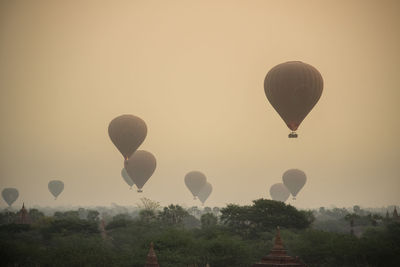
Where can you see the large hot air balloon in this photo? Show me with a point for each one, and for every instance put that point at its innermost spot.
(127, 132)
(294, 180)
(127, 178)
(56, 187)
(195, 181)
(293, 88)
(205, 192)
(140, 167)
(279, 192)
(9, 195)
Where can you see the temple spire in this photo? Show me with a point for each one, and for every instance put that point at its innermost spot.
(278, 240)
(278, 256)
(395, 215)
(151, 257)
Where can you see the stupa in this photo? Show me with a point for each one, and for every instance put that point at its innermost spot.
(23, 216)
(151, 258)
(278, 257)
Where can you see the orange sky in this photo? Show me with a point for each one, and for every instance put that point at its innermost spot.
(194, 71)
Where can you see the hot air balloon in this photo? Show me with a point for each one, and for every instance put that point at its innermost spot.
(127, 132)
(293, 88)
(279, 192)
(10, 195)
(205, 192)
(294, 180)
(127, 178)
(140, 167)
(195, 181)
(56, 187)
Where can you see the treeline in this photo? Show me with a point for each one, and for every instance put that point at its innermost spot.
(231, 236)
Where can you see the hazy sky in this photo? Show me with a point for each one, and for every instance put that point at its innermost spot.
(194, 71)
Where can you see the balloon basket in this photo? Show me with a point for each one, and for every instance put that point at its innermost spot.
(140, 190)
(292, 135)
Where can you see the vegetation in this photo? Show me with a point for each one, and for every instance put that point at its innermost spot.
(231, 236)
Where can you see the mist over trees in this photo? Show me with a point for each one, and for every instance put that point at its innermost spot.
(233, 235)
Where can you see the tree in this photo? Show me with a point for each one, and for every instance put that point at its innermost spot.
(35, 215)
(92, 216)
(148, 204)
(264, 215)
(208, 220)
(173, 214)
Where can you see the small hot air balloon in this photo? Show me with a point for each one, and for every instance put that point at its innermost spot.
(10, 195)
(127, 178)
(127, 132)
(205, 192)
(140, 167)
(279, 192)
(56, 187)
(294, 180)
(195, 181)
(293, 88)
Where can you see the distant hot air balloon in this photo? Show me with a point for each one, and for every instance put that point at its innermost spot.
(56, 187)
(294, 180)
(127, 178)
(205, 192)
(195, 181)
(293, 88)
(127, 132)
(10, 195)
(140, 167)
(279, 192)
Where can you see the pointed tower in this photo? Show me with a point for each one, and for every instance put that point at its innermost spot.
(278, 257)
(23, 216)
(102, 228)
(151, 257)
(395, 215)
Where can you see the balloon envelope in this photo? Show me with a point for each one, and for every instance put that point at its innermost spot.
(294, 180)
(293, 88)
(195, 181)
(127, 178)
(279, 192)
(140, 167)
(127, 132)
(205, 192)
(56, 187)
(10, 195)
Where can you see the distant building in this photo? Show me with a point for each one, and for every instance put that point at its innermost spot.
(278, 257)
(396, 217)
(102, 228)
(23, 216)
(151, 258)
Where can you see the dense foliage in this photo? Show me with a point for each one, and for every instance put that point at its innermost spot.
(231, 236)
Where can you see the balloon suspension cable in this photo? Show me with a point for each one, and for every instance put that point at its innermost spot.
(292, 135)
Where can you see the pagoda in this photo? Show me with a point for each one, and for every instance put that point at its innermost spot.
(278, 257)
(151, 258)
(23, 216)
(396, 217)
